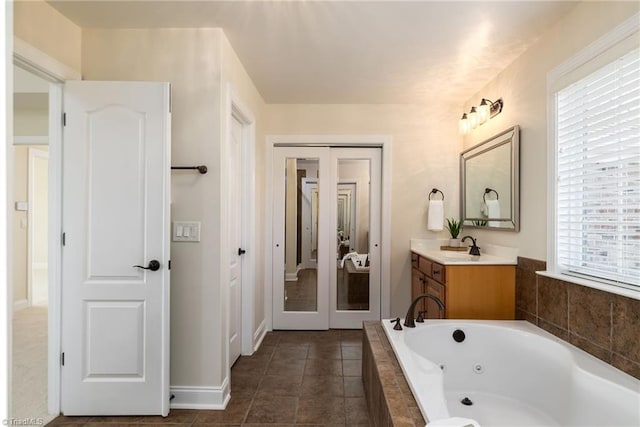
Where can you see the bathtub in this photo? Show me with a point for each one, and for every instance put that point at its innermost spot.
(513, 374)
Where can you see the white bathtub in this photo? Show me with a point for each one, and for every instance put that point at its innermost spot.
(514, 373)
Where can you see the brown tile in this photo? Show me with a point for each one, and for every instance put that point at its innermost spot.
(591, 348)
(590, 314)
(116, 419)
(352, 352)
(417, 417)
(244, 385)
(353, 387)
(626, 365)
(325, 350)
(351, 336)
(356, 410)
(271, 338)
(530, 264)
(265, 350)
(62, 419)
(235, 413)
(286, 367)
(251, 365)
(321, 411)
(280, 385)
(551, 328)
(273, 409)
(552, 301)
(626, 328)
(323, 367)
(291, 351)
(352, 368)
(526, 285)
(322, 386)
(110, 424)
(523, 315)
(176, 416)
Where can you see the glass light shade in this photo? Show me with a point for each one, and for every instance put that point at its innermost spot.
(483, 111)
(463, 124)
(473, 118)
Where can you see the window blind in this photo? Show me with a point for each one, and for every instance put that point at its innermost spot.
(598, 166)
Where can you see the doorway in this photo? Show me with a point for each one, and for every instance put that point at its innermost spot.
(30, 246)
(331, 275)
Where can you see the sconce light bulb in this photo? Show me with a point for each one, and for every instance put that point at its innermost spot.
(484, 110)
(463, 124)
(473, 118)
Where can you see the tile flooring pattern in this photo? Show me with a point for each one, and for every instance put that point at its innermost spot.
(295, 378)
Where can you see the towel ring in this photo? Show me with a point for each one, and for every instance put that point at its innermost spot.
(436, 191)
(487, 191)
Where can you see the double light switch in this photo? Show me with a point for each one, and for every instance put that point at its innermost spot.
(186, 231)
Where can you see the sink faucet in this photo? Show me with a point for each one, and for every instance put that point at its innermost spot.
(475, 250)
(408, 320)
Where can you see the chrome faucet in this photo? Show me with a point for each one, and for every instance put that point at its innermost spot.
(408, 320)
(475, 250)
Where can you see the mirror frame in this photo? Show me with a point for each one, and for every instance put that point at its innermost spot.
(494, 142)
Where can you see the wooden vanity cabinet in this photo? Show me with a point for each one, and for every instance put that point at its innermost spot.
(468, 291)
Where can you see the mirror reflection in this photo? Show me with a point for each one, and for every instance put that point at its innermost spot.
(301, 235)
(489, 177)
(352, 234)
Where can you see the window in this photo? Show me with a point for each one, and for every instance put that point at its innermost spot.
(597, 165)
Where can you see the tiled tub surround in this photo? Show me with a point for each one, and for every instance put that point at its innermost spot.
(389, 398)
(602, 324)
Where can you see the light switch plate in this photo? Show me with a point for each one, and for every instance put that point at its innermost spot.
(22, 206)
(186, 231)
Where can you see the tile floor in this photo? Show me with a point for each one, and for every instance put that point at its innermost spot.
(295, 378)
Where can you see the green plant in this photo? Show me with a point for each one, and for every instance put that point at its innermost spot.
(480, 222)
(454, 226)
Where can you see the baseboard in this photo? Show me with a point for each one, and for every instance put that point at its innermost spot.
(259, 335)
(195, 397)
(21, 304)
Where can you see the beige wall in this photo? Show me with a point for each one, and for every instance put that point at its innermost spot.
(233, 73)
(522, 85)
(199, 63)
(190, 60)
(31, 122)
(424, 155)
(44, 28)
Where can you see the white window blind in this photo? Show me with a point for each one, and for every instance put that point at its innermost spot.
(598, 182)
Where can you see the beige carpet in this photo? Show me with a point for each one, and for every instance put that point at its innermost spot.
(29, 385)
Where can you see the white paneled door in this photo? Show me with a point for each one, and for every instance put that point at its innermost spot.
(115, 288)
(235, 215)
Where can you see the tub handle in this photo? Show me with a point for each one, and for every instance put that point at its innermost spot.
(397, 326)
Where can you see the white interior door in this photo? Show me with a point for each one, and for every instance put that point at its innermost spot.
(116, 195)
(235, 215)
(355, 283)
(300, 295)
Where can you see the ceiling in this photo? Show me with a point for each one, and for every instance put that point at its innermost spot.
(384, 52)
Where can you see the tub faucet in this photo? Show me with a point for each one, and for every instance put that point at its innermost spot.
(475, 250)
(408, 320)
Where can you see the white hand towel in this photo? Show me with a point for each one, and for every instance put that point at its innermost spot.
(493, 211)
(435, 219)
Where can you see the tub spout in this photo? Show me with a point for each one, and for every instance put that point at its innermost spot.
(408, 320)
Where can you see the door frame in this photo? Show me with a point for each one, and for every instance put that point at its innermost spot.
(50, 69)
(355, 141)
(238, 109)
(33, 154)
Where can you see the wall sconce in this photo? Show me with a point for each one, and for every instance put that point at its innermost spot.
(480, 114)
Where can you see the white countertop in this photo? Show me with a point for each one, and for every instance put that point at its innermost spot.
(489, 254)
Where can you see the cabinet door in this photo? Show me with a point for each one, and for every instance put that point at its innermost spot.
(437, 290)
(417, 288)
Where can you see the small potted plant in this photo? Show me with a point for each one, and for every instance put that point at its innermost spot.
(454, 226)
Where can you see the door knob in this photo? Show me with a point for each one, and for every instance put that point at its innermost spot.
(241, 251)
(154, 265)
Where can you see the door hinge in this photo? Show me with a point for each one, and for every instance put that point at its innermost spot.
(169, 263)
(64, 239)
(64, 119)
(62, 359)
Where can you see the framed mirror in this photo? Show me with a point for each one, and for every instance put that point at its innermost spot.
(490, 183)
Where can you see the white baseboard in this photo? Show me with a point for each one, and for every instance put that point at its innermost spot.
(195, 397)
(291, 277)
(259, 335)
(21, 304)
